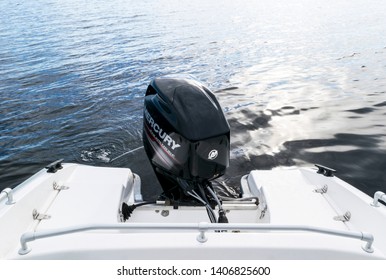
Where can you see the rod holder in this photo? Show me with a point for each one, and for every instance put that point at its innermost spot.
(9, 194)
(377, 197)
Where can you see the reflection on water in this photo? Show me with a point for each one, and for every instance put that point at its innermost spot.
(301, 82)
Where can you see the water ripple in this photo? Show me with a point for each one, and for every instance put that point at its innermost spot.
(295, 89)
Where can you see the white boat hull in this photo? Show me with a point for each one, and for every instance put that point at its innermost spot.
(75, 213)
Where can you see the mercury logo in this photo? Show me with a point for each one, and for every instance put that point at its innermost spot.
(160, 133)
(212, 154)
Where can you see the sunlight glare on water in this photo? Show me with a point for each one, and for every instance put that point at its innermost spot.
(300, 82)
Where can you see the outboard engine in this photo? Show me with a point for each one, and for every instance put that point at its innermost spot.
(185, 136)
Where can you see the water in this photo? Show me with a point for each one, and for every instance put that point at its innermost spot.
(300, 81)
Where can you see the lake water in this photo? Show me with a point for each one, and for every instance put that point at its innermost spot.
(301, 82)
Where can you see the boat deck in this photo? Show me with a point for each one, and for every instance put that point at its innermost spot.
(300, 215)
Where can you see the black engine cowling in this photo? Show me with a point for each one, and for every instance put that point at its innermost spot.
(185, 134)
